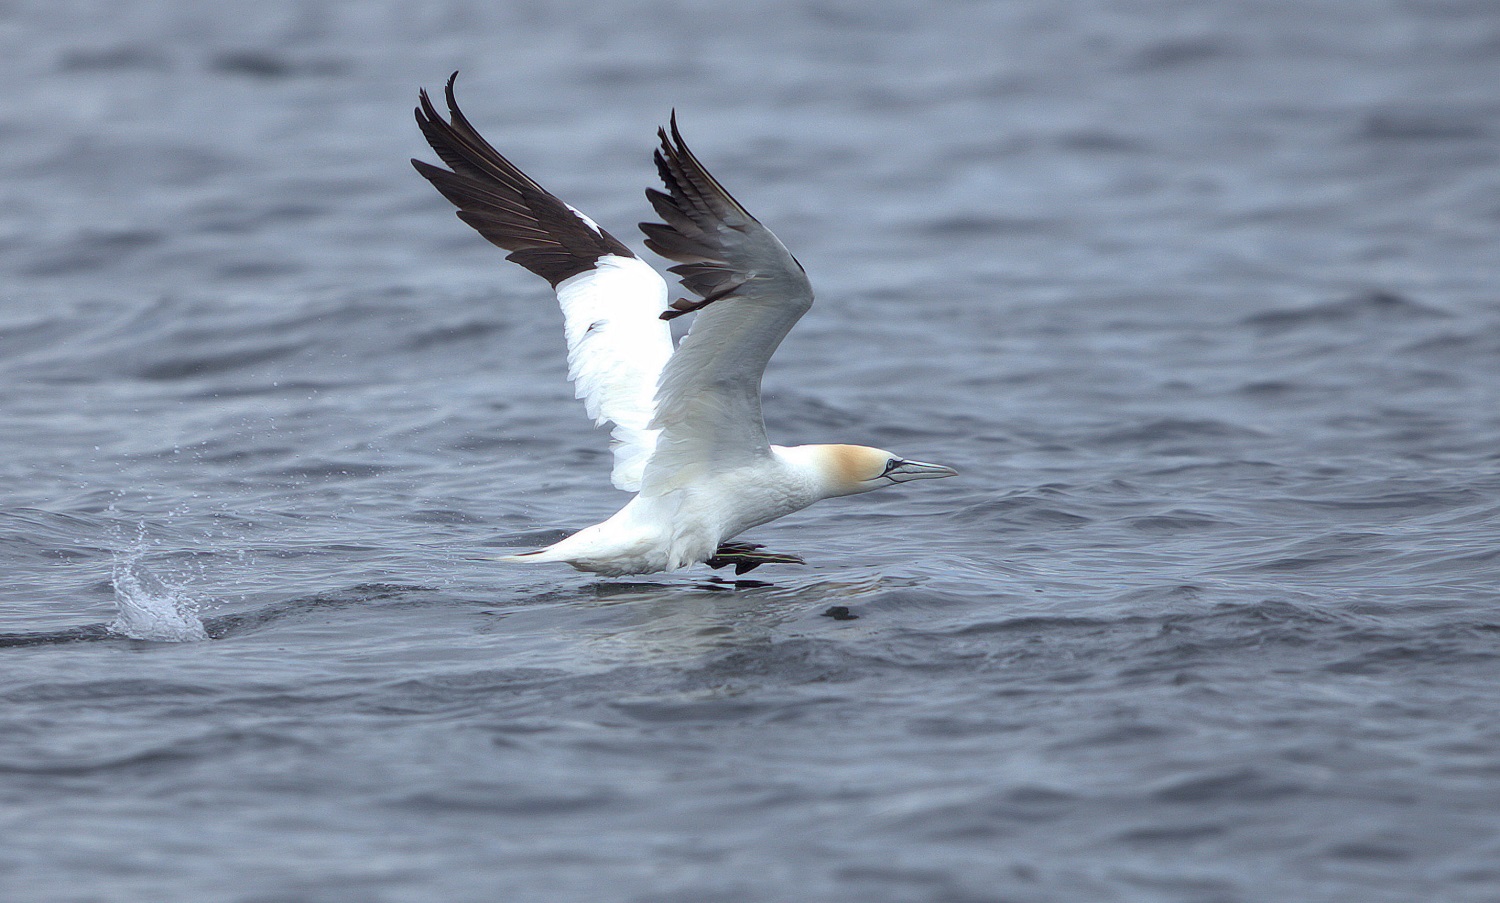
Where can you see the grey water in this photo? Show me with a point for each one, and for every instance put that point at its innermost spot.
(1202, 299)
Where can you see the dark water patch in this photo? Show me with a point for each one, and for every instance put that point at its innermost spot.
(265, 268)
(958, 227)
(1122, 735)
(1179, 520)
(1480, 340)
(794, 662)
(959, 726)
(1275, 613)
(1100, 141)
(1016, 512)
(626, 74)
(334, 470)
(1050, 626)
(115, 58)
(1341, 547)
(271, 64)
(1186, 888)
(1372, 498)
(536, 539)
(794, 411)
(299, 388)
(712, 710)
(1373, 851)
(1172, 597)
(441, 516)
(244, 218)
(221, 361)
(1396, 657)
(1212, 638)
(1174, 429)
(1182, 53)
(224, 626)
(175, 338)
(1275, 389)
(470, 331)
(163, 759)
(223, 453)
(511, 800)
(1376, 305)
(84, 634)
(880, 881)
(462, 689)
(102, 163)
(93, 250)
(38, 531)
(1172, 835)
(1424, 124)
(104, 692)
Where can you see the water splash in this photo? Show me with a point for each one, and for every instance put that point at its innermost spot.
(149, 607)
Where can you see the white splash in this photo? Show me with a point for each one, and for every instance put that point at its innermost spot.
(150, 608)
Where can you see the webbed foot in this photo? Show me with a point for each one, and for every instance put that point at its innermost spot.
(747, 556)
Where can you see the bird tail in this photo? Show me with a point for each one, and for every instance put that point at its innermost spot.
(523, 557)
(567, 550)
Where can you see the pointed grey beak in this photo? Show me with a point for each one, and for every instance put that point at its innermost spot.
(916, 470)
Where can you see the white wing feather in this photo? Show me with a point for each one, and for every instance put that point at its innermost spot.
(611, 301)
(617, 348)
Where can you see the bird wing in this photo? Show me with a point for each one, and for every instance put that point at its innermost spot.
(610, 299)
(751, 291)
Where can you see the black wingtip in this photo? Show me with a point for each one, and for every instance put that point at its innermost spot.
(448, 92)
(504, 204)
(425, 100)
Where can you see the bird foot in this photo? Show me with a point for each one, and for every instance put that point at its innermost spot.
(747, 556)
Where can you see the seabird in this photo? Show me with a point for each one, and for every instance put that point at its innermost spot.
(689, 439)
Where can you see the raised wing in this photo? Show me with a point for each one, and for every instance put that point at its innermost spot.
(751, 291)
(611, 300)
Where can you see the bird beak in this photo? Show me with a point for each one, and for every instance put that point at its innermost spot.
(916, 470)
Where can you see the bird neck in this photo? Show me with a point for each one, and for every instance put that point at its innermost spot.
(825, 471)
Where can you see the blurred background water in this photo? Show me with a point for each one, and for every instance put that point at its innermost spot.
(1201, 298)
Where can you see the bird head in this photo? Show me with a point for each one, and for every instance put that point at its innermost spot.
(851, 469)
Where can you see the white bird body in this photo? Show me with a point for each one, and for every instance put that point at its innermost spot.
(688, 434)
(666, 532)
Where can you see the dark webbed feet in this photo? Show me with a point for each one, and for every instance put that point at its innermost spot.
(747, 556)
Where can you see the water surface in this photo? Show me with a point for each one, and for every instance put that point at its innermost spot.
(1201, 300)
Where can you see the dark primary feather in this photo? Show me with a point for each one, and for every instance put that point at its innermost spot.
(503, 204)
(713, 238)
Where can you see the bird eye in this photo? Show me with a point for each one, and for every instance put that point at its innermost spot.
(890, 466)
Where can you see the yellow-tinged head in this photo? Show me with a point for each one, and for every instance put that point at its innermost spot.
(850, 469)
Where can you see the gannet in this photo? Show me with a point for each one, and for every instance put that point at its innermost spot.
(688, 436)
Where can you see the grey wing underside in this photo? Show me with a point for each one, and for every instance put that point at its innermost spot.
(751, 292)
